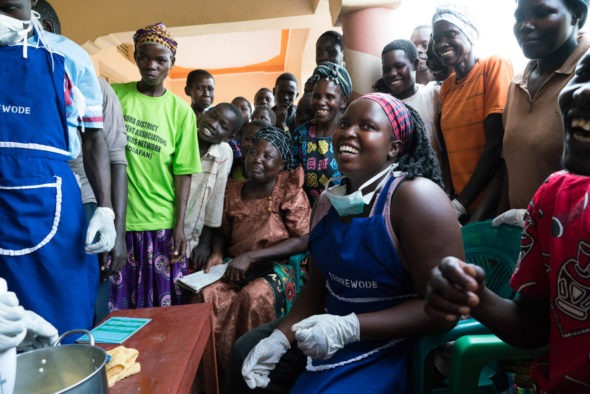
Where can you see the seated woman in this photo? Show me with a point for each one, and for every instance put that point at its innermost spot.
(244, 139)
(265, 220)
(373, 241)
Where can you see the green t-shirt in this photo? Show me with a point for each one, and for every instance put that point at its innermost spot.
(161, 142)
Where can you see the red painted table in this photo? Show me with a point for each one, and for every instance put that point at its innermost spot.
(172, 346)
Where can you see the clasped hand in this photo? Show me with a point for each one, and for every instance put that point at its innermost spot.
(454, 287)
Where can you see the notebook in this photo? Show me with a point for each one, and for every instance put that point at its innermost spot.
(196, 281)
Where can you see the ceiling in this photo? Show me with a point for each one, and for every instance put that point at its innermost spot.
(86, 20)
(243, 43)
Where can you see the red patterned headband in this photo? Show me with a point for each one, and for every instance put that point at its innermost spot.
(398, 114)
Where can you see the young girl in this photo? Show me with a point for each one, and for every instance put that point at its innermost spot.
(312, 141)
(373, 241)
(553, 270)
(264, 98)
(204, 208)
(264, 114)
(245, 108)
(266, 220)
(328, 48)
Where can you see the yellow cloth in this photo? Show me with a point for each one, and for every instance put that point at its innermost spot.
(122, 364)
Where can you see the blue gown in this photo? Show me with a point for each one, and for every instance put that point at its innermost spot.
(42, 227)
(363, 274)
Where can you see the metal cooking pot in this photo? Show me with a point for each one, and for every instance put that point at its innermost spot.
(71, 369)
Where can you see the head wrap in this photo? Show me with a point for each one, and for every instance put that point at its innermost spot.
(459, 14)
(155, 34)
(335, 73)
(398, 114)
(280, 140)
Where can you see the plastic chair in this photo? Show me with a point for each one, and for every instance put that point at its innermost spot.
(496, 250)
(472, 352)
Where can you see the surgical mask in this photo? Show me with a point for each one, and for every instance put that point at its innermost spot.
(13, 31)
(354, 203)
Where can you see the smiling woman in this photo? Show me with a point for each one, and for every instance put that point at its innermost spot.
(369, 262)
(312, 141)
(472, 101)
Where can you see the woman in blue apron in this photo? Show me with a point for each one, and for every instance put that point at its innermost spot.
(373, 242)
(43, 230)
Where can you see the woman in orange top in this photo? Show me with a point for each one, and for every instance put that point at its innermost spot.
(473, 98)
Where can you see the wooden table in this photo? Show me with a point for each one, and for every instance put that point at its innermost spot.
(171, 347)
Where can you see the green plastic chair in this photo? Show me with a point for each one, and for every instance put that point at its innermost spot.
(496, 250)
(471, 353)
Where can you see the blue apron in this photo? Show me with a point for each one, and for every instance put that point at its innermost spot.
(363, 273)
(42, 229)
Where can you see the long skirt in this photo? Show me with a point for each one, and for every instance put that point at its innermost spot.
(238, 311)
(148, 278)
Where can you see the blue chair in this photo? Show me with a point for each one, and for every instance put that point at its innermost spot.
(496, 250)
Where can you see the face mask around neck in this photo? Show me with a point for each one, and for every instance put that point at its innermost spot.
(13, 31)
(354, 203)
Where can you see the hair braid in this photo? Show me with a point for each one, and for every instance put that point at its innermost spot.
(420, 159)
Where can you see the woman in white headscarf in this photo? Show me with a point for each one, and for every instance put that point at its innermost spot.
(473, 98)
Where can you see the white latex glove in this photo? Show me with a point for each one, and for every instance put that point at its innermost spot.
(460, 210)
(12, 329)
(514, 217)
(320, 336)
(263, 358)
(102, 223)
(40, 333)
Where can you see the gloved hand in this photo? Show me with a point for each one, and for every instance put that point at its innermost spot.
(40, 333)
(103, 223)
(12, 329)
(263, 358)
(21, 328)
(320, 336)
(460, 210)
(514, 217)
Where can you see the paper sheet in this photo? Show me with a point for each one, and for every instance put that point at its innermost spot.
(195, 282)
